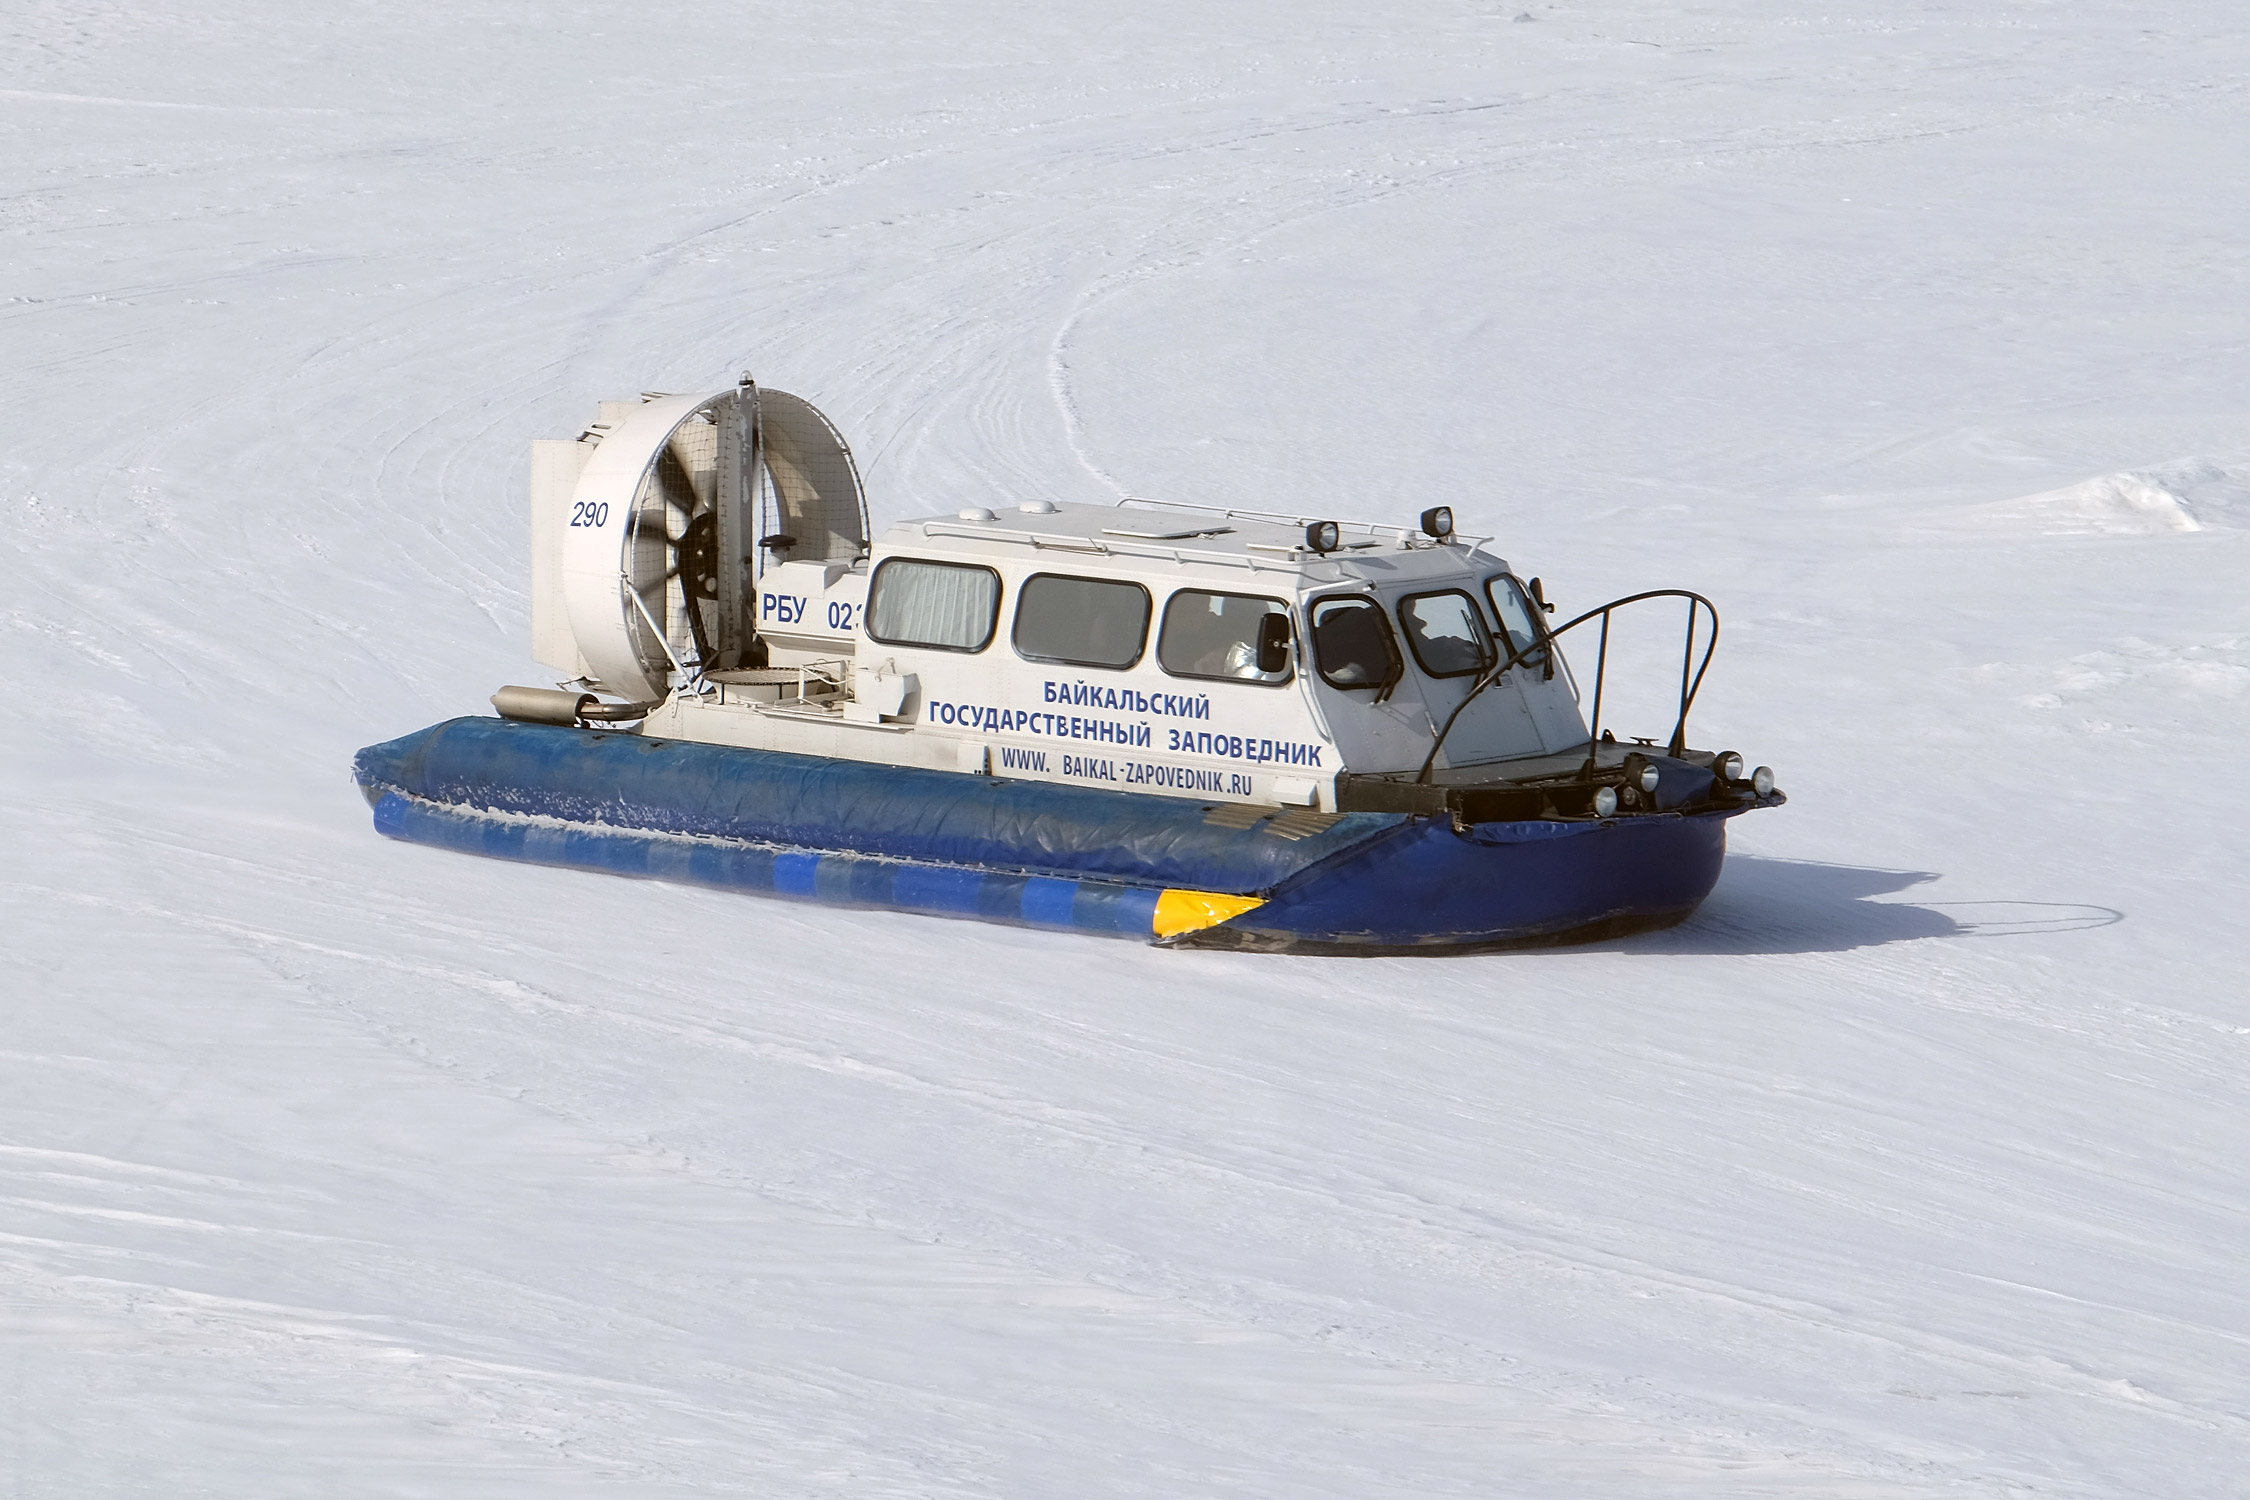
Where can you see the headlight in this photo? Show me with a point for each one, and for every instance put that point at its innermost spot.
(1605, 802)
(1728, 765)
(1761, 780)
(1649, 778)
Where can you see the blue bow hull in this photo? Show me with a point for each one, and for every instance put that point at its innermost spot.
(844, 832)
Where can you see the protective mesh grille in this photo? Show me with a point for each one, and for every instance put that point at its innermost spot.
(680, 485)
(816, 488)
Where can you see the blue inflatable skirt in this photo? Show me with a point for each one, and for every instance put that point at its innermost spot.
(1158, 868)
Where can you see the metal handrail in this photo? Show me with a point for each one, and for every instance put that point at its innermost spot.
(1689, 685)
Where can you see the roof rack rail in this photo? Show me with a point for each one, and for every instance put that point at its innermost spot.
(1372, 528)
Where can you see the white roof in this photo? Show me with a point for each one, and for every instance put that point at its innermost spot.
(1162, 537)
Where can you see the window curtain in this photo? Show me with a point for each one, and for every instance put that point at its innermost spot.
(934, 604)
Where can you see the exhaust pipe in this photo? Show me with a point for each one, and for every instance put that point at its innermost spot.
(529, 705)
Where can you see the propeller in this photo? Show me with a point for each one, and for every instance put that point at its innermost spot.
(686, 481)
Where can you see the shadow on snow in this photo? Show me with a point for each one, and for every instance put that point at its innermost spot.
(1798, 906)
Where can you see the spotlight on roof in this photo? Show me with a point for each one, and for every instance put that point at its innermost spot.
(1324, 536)
(1437, 522)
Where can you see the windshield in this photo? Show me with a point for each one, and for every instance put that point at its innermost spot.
(1518, 616)
(1447, 633)
(1352, 643)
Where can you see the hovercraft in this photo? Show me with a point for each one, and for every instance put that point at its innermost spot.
(1193, 725)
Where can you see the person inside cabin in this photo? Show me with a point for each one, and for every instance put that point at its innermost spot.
(1216, 635)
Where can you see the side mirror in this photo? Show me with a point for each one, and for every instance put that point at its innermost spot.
(1539, 597)
(1273, 645)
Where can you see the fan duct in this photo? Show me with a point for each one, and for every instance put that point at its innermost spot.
(647, 531)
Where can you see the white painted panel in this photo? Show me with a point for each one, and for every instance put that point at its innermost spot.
(555, 467)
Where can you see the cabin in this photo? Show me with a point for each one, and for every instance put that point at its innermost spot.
(1175, 650)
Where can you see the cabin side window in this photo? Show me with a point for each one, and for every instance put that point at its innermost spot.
(1216, 635)
(1081, 622)
(1353, 645)
(1518, 616)
(1447, 633)
(945, 606)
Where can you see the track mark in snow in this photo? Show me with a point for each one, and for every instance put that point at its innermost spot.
(45, 1158)
(40, 97)
(2135, 686)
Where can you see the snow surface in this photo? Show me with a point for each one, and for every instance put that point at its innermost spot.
(1917, 336)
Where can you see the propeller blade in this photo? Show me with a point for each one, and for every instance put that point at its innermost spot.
(676, 490)
(694, 447)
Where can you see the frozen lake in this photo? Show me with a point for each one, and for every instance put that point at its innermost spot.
(1913, 1165)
